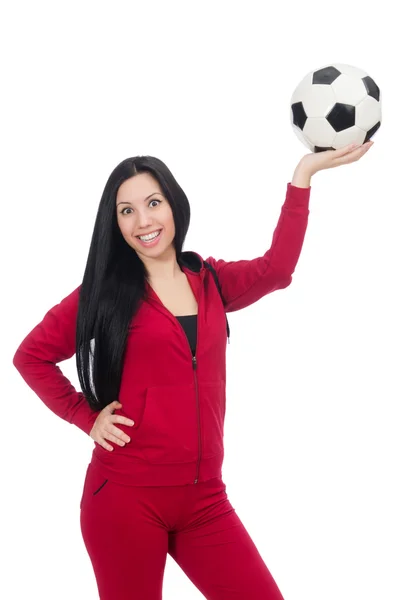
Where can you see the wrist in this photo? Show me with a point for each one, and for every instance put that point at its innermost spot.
(302, 176)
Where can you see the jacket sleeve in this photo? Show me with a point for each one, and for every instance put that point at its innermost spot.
(243, 282)
(50, 342)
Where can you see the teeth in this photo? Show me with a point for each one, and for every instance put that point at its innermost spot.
(147, 238)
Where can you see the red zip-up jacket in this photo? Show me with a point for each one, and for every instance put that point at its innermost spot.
(177, 400)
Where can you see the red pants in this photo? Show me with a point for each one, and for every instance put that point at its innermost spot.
(128, 531)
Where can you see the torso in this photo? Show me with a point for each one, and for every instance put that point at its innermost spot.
(177, 296)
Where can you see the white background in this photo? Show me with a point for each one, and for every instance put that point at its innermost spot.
(310, 434)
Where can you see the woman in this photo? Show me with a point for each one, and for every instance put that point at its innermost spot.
(148, 328)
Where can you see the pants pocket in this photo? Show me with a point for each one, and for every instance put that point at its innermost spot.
(100, 487)
(93, 484)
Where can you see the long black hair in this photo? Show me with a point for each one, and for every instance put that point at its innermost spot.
(113, 285)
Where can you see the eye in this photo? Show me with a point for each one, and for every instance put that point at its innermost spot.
(122, 212)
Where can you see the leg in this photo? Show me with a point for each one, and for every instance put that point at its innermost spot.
(126, 542)
(216, 552)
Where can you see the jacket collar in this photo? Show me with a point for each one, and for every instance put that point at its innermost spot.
(192, 265)
(189, 261)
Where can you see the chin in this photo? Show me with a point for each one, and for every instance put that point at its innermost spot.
(156, 251)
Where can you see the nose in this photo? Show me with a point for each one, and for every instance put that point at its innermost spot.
(144, 220)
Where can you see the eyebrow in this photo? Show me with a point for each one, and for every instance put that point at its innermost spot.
(144, 200)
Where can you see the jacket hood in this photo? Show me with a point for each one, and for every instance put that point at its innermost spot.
(192, 261)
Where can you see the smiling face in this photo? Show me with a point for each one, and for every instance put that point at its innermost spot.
(142, 208)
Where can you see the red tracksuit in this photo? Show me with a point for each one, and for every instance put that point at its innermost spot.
(163, 491)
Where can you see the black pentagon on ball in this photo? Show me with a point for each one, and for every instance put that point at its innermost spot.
(299, 116)
(342, 116)
(326, 76)
(371, 87)
(371, 132)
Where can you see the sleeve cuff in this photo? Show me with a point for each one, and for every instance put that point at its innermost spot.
(297, 196)
(85, 417)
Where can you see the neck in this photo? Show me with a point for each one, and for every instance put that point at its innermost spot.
(163, 268)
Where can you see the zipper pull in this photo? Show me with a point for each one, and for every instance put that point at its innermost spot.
(194, 363)
(228, 339)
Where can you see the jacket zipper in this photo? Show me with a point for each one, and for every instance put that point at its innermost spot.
(198, 413)
(194, 364)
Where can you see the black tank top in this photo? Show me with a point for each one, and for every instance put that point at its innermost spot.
(189, 324)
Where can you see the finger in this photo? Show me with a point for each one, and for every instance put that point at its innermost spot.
(361, 150)
(117, 434)
(113, 438)
(105, 445)
(346, 150)
(123, 420)
(352, 156)
(357, 148)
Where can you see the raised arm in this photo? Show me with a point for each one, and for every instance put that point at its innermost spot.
(50, 342)
(243, 282)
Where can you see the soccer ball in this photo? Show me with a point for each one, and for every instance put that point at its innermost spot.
(334, 106)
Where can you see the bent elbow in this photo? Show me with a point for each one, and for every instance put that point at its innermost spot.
(285, 281)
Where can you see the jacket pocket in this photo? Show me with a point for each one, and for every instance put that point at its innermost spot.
(168, 431)
(212, 396)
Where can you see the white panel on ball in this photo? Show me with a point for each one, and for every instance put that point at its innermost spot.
(368, 113)
(319, 104)
(319, 132)
(302, 89)
(303, 139)
(349, 90)
(353, 135)
(350, 70)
